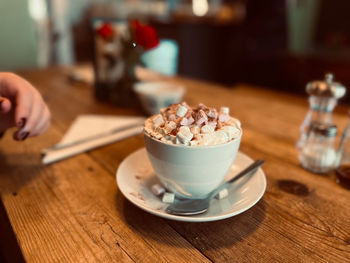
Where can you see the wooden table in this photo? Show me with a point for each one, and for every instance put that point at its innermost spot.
(73, 211)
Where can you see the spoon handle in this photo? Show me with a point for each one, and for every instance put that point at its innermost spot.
(250, 169)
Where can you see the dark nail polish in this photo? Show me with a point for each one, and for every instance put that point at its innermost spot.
(22, 122)
(23, 135)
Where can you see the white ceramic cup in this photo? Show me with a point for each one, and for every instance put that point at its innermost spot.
(156, 95)
(191, 171)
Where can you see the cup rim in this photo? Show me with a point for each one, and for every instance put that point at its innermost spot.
(195, 147)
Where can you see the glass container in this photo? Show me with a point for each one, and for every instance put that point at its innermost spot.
(323, 97)
(318, 154)
(343, 159)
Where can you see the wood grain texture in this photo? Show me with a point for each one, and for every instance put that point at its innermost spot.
(72, 211)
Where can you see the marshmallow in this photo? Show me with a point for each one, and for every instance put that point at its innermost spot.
(206, 139)
(148, 129)
(212, 113)
(190, 120)
(181, 124)
(179, 141)
(162, 131)
(195, 130)
(232, 132)
(157, 135)
(169, 126)
(181, 111)
(157, 189)
(170, 138)
(201, 117)
(186, 121)
(189, 113)
(168, 198)
(178, 120)
(184, 136)
(222, 194)
(200, 121)
(207, 129)
(212, 123)
(157, 121)
(194, 143)
(186, 131)
(224, 117)
(236, 122)
(225, 110)
(221, 137)
(164, 139)
(171, 117)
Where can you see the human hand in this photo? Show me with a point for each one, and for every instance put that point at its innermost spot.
(22, 106)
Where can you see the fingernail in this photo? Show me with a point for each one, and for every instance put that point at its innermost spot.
(23, 135)
(21, 123)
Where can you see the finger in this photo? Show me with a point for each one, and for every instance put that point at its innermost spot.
(43, 123)
(24, 104)
(35, 116)
(20, 135)
(5, 105)
(30, 119)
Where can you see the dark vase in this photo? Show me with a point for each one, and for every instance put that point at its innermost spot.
(115, 59)
(118, 92)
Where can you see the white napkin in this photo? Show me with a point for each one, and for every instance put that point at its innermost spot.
(86, 126)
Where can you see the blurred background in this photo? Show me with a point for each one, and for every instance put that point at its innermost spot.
(280, 44)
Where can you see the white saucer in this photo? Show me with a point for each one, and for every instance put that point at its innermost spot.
(135, 177)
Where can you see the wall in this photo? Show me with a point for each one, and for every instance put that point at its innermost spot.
(18, 41)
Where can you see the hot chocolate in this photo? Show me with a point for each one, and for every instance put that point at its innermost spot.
(184, 125)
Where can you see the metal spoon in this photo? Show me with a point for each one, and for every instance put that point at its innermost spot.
(188, 207)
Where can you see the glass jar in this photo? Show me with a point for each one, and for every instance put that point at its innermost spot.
(323, 98)
(342, 171)
(318, 154)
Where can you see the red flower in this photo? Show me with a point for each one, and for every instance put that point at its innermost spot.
(146, 36)
(106, 31)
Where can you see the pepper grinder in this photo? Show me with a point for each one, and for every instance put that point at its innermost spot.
(323, 97)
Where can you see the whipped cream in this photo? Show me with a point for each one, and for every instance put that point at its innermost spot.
(183, 125)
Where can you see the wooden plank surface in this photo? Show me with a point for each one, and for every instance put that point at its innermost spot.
(72, 211)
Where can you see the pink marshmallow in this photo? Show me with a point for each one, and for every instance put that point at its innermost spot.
(201, 121)
(201, 117)
(212, 113)
(184, 121)
(187, 121)
(172, 117)
(224, 117)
